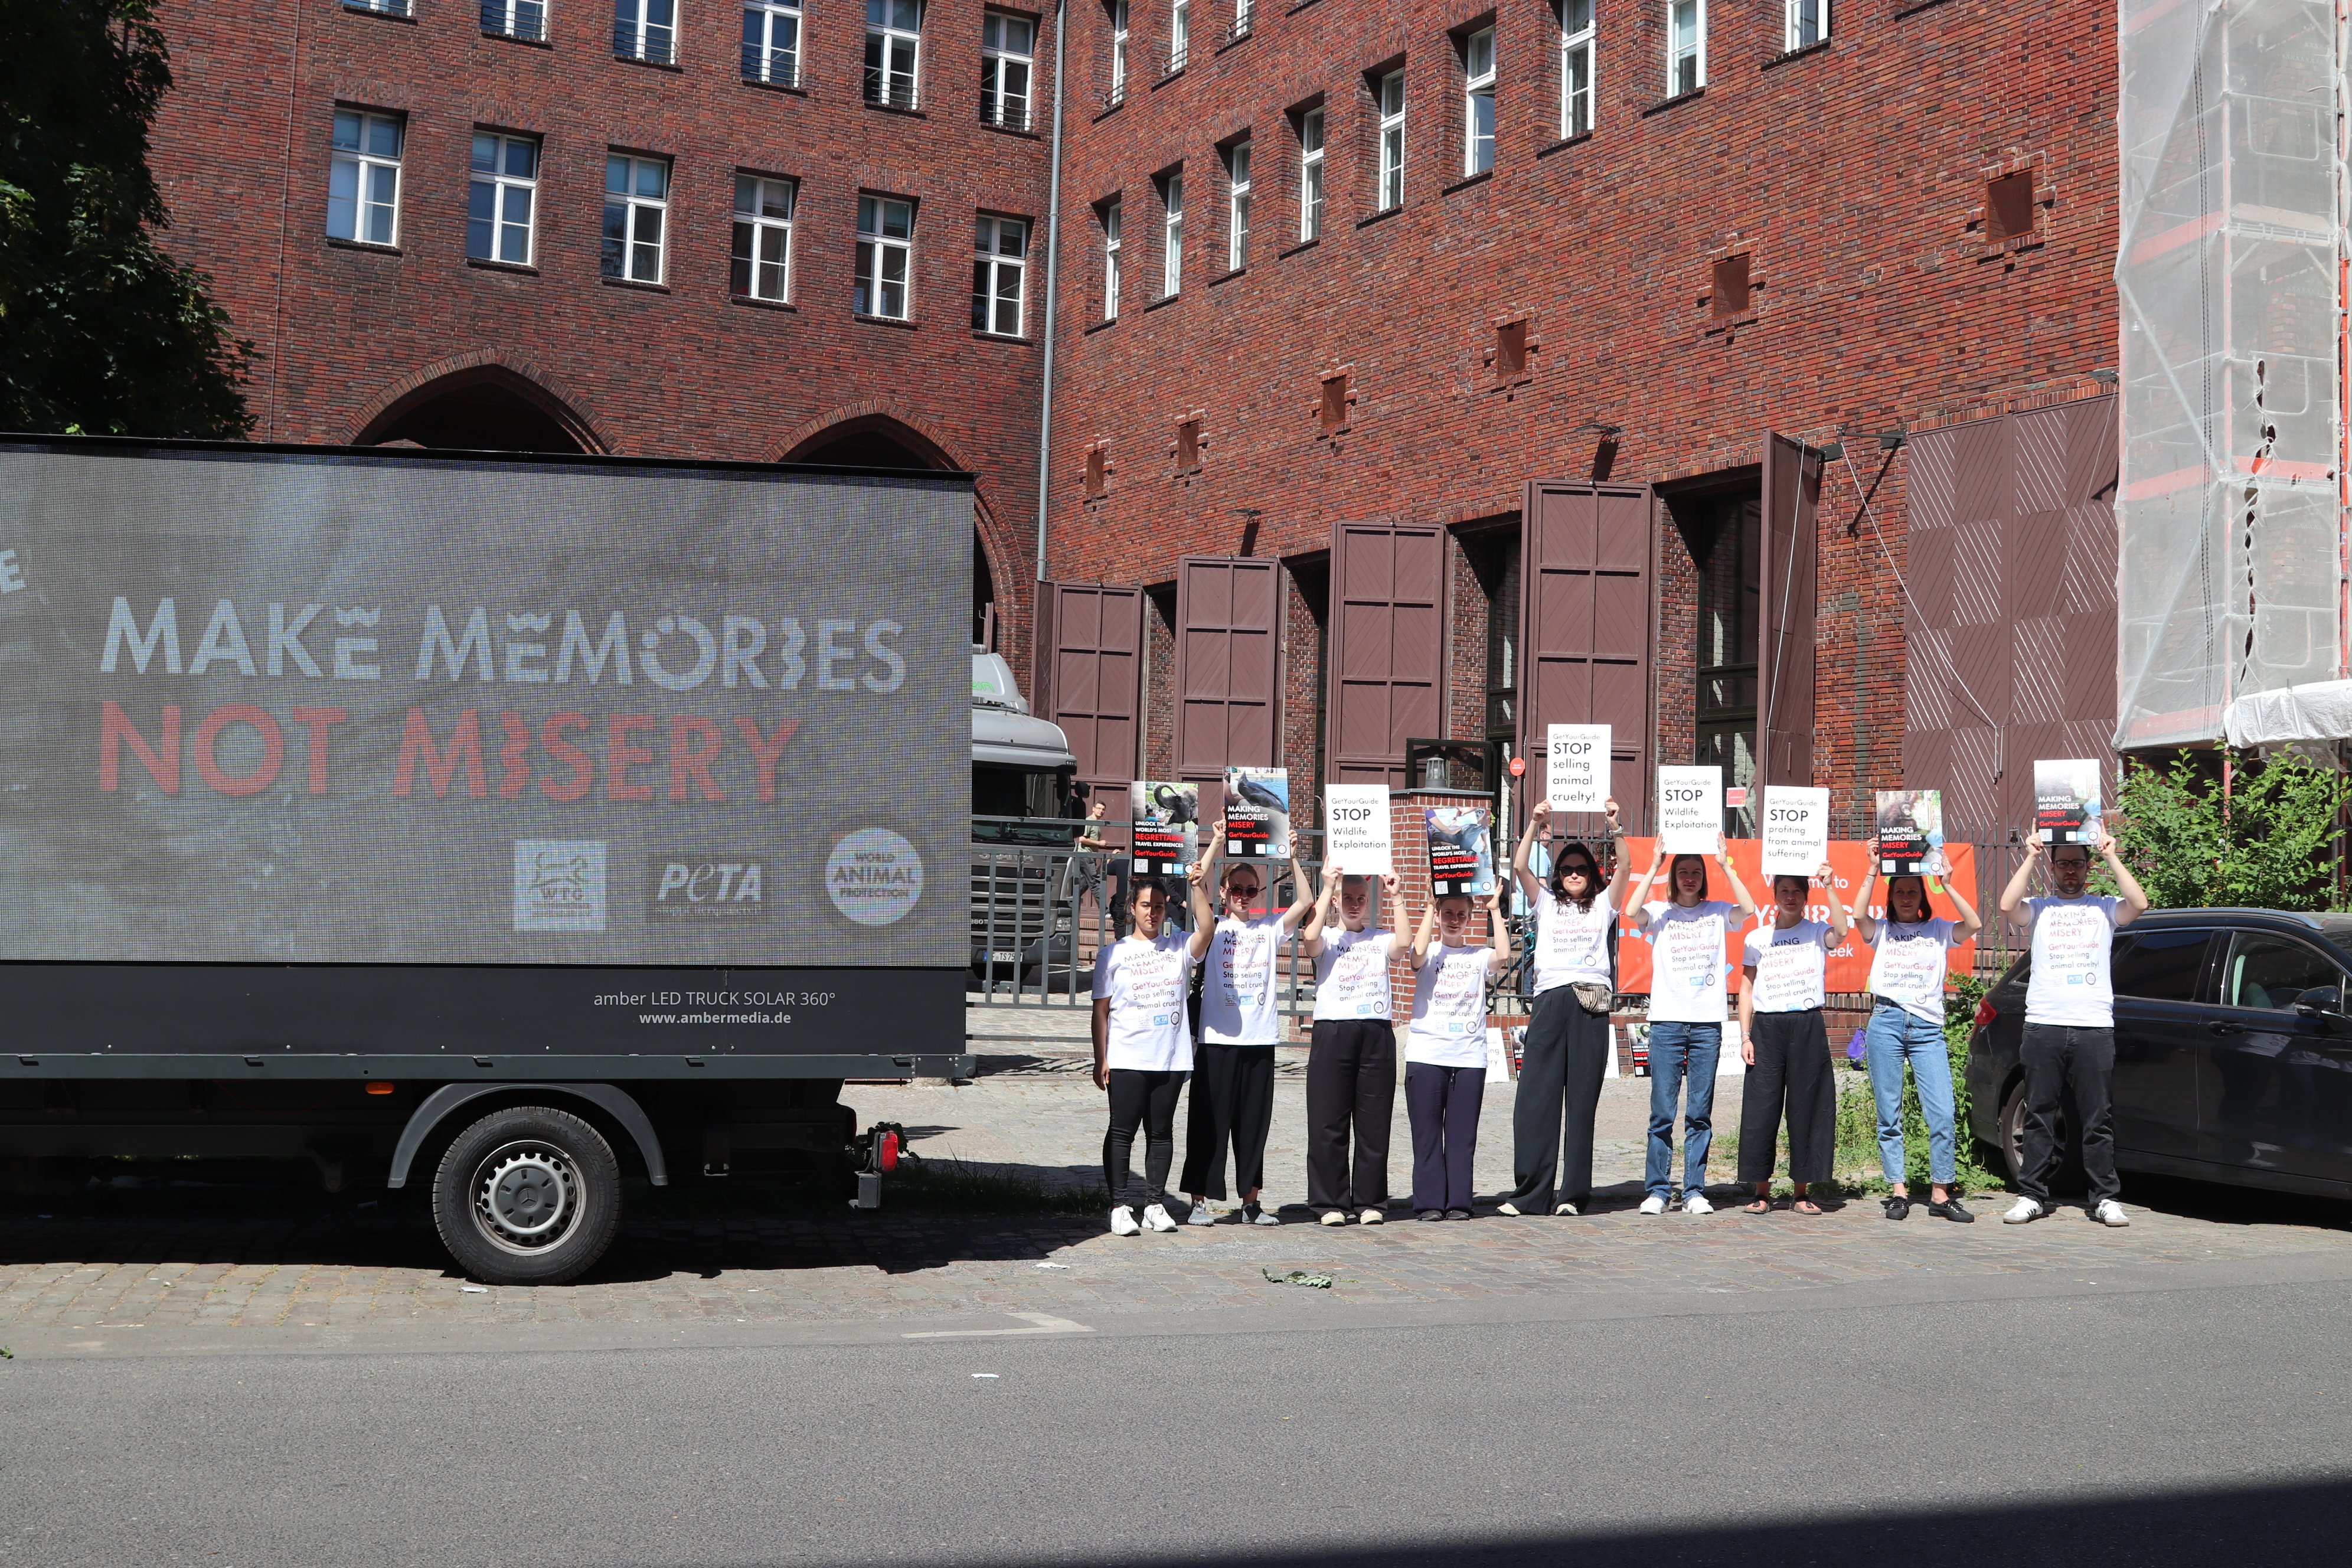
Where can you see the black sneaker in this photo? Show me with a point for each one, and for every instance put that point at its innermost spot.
(1458, 1214)
(1431, 1214)
(1896, 1205)
(1950, 1209)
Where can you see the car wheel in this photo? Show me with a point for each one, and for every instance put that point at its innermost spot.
(2068, 1173)
(528, 1195)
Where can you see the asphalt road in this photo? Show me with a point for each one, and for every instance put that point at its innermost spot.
(2182, 1417)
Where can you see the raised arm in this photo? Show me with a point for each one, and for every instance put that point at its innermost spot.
(1211, 853)
(1302, 895)
(1864, 920)
(2135, 902)
(1624, 869)
(1640, 899)
(1421, 939)
(1539, 815)
(1969, 922)
(1311, 936)
(1738, 889)
(1839, 924)
(1204, 915)
(1498, 936)
(2012, 898)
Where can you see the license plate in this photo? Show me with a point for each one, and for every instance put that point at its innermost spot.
(1003, 958)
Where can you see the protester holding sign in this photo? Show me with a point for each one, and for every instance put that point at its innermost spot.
(1785, 962)
(1574, 982)
(1143, 1047)
(1351, 1060)
(1689, 1008)
(1907, 1026)
(2070, 1017)
(1232, 1067)
(1446, 1051)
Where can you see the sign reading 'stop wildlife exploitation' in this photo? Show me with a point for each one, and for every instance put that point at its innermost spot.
(1796, 829)
(1461, 850)
(2067, 800)
(1167, 822)
(1258, 812)
(1355, 830)
(1576, 766)
(1690, 810)
(1910, 832)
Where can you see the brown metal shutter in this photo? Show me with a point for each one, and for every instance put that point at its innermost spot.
(2012, 646)
(1388, 647)
(1584, 619)
(1784, 665)
(1092, 665)
(1228, 664)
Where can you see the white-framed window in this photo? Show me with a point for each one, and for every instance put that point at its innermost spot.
(636, 206)
(1391, 105)
(1478, 101)
(1579, 43)
(1171, 234)
(1179, 34)
(364, 182)
(645, 30)
(1244, 11)
(1111, 268)
(1008, 53)
(1310, 175)
(1237, 207)
(886, 258)
(1117, 51)
(381, 7)
(1685, 46)
(772, 42)
(1809, 24)
(502, 198)
(894, 51)
(999, 262)
(761, 265)
(524, 19)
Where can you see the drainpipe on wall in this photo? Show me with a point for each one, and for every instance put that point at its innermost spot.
(1053, 290)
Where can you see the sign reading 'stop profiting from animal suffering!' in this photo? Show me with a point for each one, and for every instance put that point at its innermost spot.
(1167, 822)
(1796, 829)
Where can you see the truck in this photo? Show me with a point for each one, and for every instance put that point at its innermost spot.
(1022, 921)
(510, 826)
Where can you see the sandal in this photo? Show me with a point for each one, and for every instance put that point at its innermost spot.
(1806, 1206)
(1761, 1206)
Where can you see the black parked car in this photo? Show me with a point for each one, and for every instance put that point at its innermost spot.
(2233, 1050)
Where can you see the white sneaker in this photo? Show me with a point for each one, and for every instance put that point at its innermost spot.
(1654, 1204)
(1567, 1209)
(2111, 1213)
(2023, 1211)
(1122, 1222)
(1156, 1218)
(1260, 1214)
(1370, 1217)
(1507, 1209)
(1201, 1215)
(1333, 1216)
(1695, 1203)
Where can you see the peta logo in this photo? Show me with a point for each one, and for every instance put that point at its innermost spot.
(707, 886)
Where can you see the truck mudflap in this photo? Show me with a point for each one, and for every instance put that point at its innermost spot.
(443, 1102)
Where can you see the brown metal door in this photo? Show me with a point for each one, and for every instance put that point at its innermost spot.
(1228, 664)
(1388, 647)
(1092, 634)
(1787, 574)
(1584, 619)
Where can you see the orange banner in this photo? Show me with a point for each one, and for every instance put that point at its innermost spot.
(1849, 966)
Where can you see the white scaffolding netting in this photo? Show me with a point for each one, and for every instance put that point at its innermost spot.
(2229, 503)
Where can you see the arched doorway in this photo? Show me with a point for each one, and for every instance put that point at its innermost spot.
(485, 410)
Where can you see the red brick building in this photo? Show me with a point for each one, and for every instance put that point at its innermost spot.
(1738, 374)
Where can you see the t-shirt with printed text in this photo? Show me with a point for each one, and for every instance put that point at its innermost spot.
(1449, 1006)
(1351, 975)
(1686, 963)
(1146, 982)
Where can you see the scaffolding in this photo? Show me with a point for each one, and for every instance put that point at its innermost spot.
(2230, 268)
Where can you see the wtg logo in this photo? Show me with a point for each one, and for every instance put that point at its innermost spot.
(558, 884)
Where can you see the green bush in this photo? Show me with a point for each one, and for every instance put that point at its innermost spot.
(1857, 1114)
(2270, 845)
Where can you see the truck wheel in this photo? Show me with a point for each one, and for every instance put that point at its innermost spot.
(528, 1195)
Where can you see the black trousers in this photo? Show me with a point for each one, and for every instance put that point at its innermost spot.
(1791, 1073)
(1442, 1104)
(1145, 1100)
(1350, 1087)
(1565, 1056)
(2058, 1058)
(1232, 1100)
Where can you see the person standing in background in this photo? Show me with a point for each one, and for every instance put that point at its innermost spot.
(1143, 1049)
(1352, 1063)
(1785, 965)
(2070, 1018)
(1233, 1066)
(1574, 983)
(1688, 1007)
(1907, 1026)
(1446, 1050)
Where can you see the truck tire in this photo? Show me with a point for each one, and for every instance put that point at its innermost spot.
(527, 1195)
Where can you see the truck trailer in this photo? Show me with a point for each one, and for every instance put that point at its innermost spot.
(501, 823)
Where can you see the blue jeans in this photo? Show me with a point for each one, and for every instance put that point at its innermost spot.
(1894, 1037)
(1676, 1049)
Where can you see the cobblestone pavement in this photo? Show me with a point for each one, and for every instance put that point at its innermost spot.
(239, 1257)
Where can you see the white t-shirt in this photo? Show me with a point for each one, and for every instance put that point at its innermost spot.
(1146, 982)
(1351, 975)
(1572, 944)
(2068, 983)
(1906, 965)
(1791, 966)
(1237, 995)
(1449, 1007)
(1687, 960)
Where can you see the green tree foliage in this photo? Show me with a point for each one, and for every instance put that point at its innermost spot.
(2269, 846)
(100, 330)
